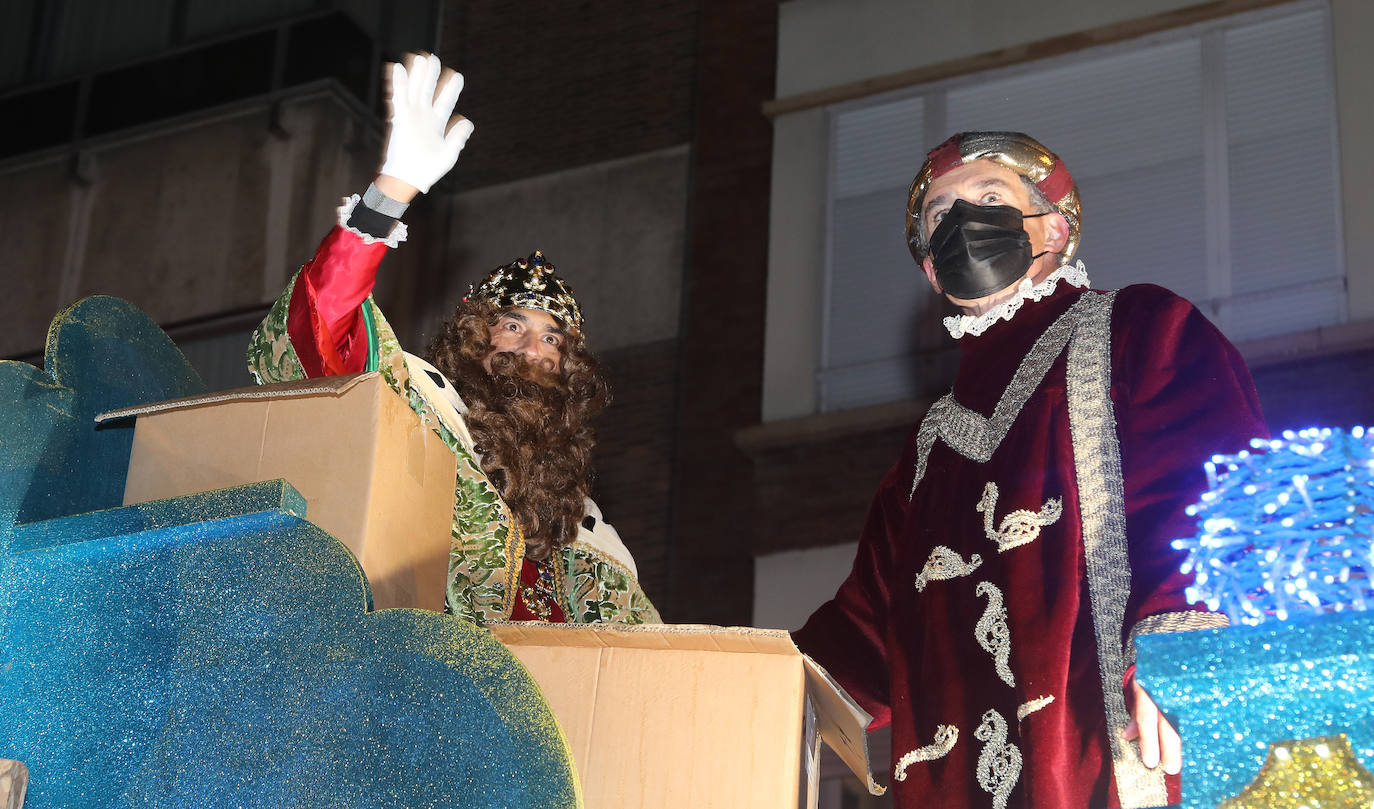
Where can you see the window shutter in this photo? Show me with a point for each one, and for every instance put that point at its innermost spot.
(1284, 213)
(1129, 126)
(874, 288)
(1206, 161)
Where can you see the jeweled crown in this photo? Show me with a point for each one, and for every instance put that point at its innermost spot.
(531, 283)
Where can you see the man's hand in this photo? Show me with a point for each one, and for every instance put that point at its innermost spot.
(1159, 742)
(424, 137)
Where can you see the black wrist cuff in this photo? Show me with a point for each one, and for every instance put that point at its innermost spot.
(374, 224)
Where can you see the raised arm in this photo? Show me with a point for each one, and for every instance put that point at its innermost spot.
(319, 326)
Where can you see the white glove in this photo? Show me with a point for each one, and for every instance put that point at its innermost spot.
(417, 149)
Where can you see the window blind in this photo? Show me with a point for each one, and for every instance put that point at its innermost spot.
(1206, 162)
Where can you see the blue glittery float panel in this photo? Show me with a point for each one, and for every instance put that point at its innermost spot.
(215, 650)
(1233, 691)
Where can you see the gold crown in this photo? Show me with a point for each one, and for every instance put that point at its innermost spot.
(531, 283)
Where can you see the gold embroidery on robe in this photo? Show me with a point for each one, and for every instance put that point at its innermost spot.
(999, 765)
(945, 738)
(944, 564)
(992, 631)
(1020, 526)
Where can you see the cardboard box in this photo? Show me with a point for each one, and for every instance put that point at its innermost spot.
(14, 782)
(691, 716)
(371, 473)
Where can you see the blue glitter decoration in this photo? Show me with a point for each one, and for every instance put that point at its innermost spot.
(1286, 528)
(102, 353)
(1230, 692)
(215, 650)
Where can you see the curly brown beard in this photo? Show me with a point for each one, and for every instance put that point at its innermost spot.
(531, 427)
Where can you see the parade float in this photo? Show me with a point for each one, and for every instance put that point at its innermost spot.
(200, 607)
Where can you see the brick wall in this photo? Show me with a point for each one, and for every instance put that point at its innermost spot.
(1332, 391)
(817, 492)
(711, 562)
(553, 84)
(634, 455)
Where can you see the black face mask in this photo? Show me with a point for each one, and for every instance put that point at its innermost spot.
(980, 249)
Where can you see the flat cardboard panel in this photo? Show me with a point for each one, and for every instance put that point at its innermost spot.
(665, 728)
(567, 676)
(841, 723)
(372, 474)
(325, 446)
(725, 735)
(169, 459)
(686, 716)
(685, 637)
(331, 385)
(412, 498)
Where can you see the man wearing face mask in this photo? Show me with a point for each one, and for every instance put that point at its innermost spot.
(1022, 541)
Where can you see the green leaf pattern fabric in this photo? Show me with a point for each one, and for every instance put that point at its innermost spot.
(271, 358)
(487, 551)
(602, 591)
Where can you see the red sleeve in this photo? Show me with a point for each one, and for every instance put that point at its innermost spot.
(1182, 394)
(848, 634)
(323, 321)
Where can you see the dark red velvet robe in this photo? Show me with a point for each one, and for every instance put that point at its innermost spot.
(1179, 393)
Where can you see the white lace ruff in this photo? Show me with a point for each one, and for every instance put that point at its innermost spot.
(974, 325)
(398, 233)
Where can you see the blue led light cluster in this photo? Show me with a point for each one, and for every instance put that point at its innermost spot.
(1286, 527)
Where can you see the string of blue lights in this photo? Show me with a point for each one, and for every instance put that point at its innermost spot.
(1286, 527)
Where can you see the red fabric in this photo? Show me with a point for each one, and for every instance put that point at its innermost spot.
(323, 320)
(1180, 393)
(1058, 184)
(330, 337)
(529, 575)
(946, 156)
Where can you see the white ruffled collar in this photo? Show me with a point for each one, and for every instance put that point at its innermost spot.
(974, 325)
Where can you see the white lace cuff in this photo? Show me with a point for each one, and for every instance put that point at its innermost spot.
(397, 235)
(974, 325)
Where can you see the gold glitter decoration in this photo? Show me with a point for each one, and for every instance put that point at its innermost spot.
(1316, 773)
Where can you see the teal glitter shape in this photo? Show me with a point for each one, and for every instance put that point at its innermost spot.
(1233, 691)
(216, 650)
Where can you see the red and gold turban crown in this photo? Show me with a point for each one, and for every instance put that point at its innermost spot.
(531, 283)
(1022, 154)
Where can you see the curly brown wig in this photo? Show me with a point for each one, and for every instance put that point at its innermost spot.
(531, 428)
